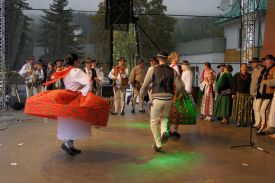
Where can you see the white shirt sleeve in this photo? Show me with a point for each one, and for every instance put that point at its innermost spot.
(126, 74)
(23, 71)
(111, 74)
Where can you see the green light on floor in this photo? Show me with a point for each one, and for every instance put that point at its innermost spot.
(160, 167)
(139, 125)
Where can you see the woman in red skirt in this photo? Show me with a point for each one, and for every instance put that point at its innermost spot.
(75, 108)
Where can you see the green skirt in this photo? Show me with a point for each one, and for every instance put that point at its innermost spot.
(223, 106)
(183, 111)
(240, 114)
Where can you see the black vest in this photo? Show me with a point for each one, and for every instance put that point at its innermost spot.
(163, 79)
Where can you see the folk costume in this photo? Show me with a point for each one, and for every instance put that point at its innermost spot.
(136, 80)
(207, 104)
(59, 84)
(75, 108)
(254, 87)
(91, 73)
(41, 76)
(119, 75)
(223, 103)
(163, 79)
(204, 76)
(241, 90)
(266, 92)
(28, 72)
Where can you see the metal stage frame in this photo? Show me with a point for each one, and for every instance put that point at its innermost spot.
(2, 55)
(248, 26)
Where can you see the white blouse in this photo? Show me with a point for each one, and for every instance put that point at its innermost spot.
(77, 80)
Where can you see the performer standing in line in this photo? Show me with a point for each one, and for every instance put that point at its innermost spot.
(266, 93)
(163, 79)
(27, 71)
(241, 93)
(254, 87)
(71, 107)
(119, 75)
(207, 104)
(221, 68)
(136, 80)
(223, 103)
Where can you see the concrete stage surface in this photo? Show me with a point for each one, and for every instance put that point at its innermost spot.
(122, 153)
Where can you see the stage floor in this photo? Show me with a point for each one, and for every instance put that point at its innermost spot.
(122, 153)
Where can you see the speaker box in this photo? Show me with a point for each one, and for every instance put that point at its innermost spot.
(119, 14)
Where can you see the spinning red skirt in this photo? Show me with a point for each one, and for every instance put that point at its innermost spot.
(69, 104)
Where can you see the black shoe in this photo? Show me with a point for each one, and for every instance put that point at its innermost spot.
(171, 134)
(114, 113)
(133, 111)
(244, 125)
(142, 111)
(68, 150)
(176, 135)
(76, 151)
(164, 137)
(261, 133)
(157, 149)
(122, 113)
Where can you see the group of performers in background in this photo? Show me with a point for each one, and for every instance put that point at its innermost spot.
(168, 85)
(226, 96)
(36, 73)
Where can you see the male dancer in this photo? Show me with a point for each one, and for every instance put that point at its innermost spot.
(163, 79)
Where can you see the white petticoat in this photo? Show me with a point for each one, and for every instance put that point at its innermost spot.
(72, 129)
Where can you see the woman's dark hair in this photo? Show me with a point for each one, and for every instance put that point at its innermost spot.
(70, 59)
(208, 64)
(229, 68)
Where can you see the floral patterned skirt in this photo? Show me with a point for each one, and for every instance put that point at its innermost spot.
(183, 111)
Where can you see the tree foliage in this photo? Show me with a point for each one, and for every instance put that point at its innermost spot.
(125, 45)
(100, 36)
(58, 33)
(19, 41)
(190, 29)
(158, 28)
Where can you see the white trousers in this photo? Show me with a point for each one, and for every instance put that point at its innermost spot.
(31, 91)
(72, 129)
(265, 107)
(159, 118)
(257, 111)
(135, 94)
(119, 97)
(272, 113)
